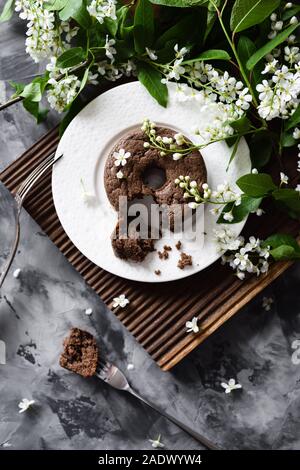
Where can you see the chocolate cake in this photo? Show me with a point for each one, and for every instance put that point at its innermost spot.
(133, 186)
(80, 353)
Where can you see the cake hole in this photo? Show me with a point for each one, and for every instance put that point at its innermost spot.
(154, 177)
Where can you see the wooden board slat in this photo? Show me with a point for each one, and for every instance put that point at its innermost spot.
(157, 313)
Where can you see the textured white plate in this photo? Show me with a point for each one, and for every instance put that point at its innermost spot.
(86, 144)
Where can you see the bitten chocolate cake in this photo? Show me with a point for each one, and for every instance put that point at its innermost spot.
(80, 353)
(130, 183)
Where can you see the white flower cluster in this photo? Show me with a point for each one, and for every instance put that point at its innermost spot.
(296, 135)
(43, 38)
(242, 257)
(277, 24)
(112, 73)
(175, 69)
(62, 92)
(223, 195)
(219, 92)
(101, 9)
(279, 95)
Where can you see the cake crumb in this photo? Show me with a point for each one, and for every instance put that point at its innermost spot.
(178, 245)
(185, 260)
(157, 272)
(165, 254)
(167, 248)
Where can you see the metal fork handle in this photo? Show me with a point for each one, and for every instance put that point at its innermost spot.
(203, 440)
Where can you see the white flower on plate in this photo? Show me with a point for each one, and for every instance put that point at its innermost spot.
(88, 198)
(110, 51)
(156, 442)
(120, 174)
(121, 157)
(120, 301)
(151, 53)
(267, 303)
(231, 385)
(25, 404)
(192, 326)
(284, 179)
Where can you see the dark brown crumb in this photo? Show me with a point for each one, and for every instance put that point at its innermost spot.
(167, 248)
(157, 272)
(178, 245)
(163, 254)
(185, 260)
(80, 353)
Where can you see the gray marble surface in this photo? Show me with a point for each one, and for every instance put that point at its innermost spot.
(257, 347)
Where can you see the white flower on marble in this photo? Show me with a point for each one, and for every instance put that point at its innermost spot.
(120, 175)
(120, 301)
(88, 311)
(25, 404)
(156, 443)
(121, 157)
(267, 303)
(231, 385)
(130, 366)
(151, 53)
(296, 354)
(192, 326)
(17, 273)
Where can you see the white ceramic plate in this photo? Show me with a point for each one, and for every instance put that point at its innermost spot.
(86, 144)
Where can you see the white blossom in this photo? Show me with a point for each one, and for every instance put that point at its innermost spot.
(17, 273)
(120, 301)
(62, 92)
(296, 133)
(192, 326)
(25, 404)
(284, 179)
(110, 51)
(156, 443)
(121, 157)
(231, 385)
(151, 53)
(101, 9)
(88, 311)
(120, 174)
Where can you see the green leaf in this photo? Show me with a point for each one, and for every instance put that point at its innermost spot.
(70, 9)
(278, 239)
(32, 92)
(293, 120)
(143, 26)
(18, 87)
(233, 153)
(242, 125)
(260, 149)
(267, 48)
(55, 5)
(70, 58)
(284, 252)
(245, 49)
(289, 200)
(82, 17)
(247, 13)
(248, 205)
(111, 25)
(256, 185)
(151, 79)
(7, 11)
(179, 3)
(287, 140)
(34, 108)
(179, 32)
(213, 54)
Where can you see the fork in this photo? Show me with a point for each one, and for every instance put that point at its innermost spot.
(20, 196)
(113, 376)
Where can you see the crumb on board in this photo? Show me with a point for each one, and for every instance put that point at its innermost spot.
(178, 245)
(157, 272)
(184, 260)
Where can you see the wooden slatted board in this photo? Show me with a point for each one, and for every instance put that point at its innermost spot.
(157, 313)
